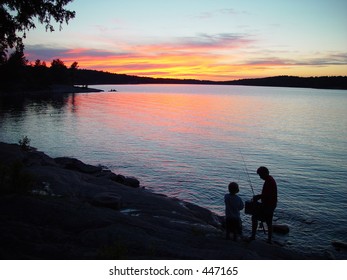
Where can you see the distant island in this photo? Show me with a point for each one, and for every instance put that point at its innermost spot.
(85, 77)
(326, 82)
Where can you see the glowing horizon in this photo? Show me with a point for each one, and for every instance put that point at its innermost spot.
(226, 40)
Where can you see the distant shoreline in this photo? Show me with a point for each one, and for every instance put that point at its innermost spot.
(81, 85)
(93, 77)
(338, 82)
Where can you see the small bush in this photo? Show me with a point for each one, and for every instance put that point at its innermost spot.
(24, 143)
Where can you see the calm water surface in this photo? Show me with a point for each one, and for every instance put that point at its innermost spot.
(189, 142)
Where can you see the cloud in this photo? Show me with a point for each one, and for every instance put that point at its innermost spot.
(324, 59)
(92, 53)
(204, 44)
(42, 52)
(200, 43)
(217, 13)
(219, 41)
(329, 59)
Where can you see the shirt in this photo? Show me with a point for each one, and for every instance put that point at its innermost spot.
(233, 206)
(269, 192)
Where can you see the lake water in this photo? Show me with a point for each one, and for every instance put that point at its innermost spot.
(190, 141)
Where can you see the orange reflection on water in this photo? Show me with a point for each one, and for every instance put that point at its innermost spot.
(164, 115)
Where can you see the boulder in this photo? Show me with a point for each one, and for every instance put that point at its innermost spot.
(339, 245)
(203, 214)
(131, 182)
(107, 200)
(10, 153)
(77, 165)
(282, 229)
(127, 181)
(38, 158)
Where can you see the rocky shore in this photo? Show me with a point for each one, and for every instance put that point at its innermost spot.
(64, 209)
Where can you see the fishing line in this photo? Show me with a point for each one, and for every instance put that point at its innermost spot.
(246, 171)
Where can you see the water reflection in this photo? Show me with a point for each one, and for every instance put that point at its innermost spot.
(20, 105)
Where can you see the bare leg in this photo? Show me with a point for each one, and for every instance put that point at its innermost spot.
(227, 229)
(254, 227)
(269, 230)
(269, 226)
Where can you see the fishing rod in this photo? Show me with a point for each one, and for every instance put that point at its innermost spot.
(246, 171)
(249, 205)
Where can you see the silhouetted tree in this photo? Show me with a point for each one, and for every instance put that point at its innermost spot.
(74, 65)
(59, 72)
(39, 64)
(58, 64)
(17, 60)
(72, 72)
(39, 75)
(17, 17)
(13, 69)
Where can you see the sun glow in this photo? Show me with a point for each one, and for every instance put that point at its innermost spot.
(190, 65)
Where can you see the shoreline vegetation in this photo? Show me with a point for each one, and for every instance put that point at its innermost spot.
(62, 208)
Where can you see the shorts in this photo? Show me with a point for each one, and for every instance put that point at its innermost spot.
(233, 225)
(263, 213)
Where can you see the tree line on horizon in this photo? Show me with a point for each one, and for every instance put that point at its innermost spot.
(19, 75)
(323, 82)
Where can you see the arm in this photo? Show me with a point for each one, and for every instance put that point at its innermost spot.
(241, 204)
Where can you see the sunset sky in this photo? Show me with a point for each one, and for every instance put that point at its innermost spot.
(200, 39)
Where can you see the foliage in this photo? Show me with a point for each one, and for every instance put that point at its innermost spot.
(24, 143)
(13, 69)
(17, 60)
(18, 75)
(17, 17)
